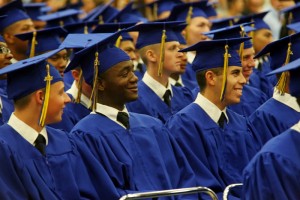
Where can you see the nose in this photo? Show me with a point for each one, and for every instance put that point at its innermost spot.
(67, 98)
(9, 56)
(133, 78)
(242, 79)
(132, 56)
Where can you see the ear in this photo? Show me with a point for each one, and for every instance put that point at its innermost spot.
(9, 38)
(210, 78)
(39, 97)
(75, 74)
(151, 55)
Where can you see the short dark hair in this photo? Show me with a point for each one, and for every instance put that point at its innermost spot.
(200, 76)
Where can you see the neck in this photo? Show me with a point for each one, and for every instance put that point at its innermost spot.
(18, 56)
(163, 79)
(214, 97)
(28, 118)
(175, 76)
(108, 102)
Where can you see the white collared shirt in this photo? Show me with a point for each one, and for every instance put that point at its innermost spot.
(173, 81)
(211, 109)
(296, 127)
(110, 112)
(190, 56)
(26, 131)
(157, 87)
(287, 100)
(84, 100)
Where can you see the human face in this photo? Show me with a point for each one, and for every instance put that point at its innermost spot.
(198, 25)
(184, 60)
(173, 58)
(119, 85)
(5, 55)
(57, 102)
(59, 61)
(234, 86)
(261, 38)
(281, 4)
(248, 62)
(129, 48)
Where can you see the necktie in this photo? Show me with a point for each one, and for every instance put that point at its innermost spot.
(167, 97)
(123, 118)
(40, 144)
(222, 120)
(177, 84)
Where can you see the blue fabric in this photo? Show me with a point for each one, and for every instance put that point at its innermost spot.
(225, 152)
(7, 109)
(60, 174)
(251, 99)
(142, 158)
(274, 171)
(273, 118)
(150, 104)
(189, 77)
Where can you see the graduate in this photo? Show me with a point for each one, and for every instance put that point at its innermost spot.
(15, 22)
(42, 162)
(281, 111)
(206, 130)
(274, 172)
(158, 47)
(136, 150)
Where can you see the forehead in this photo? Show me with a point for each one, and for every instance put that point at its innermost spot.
(197, 20)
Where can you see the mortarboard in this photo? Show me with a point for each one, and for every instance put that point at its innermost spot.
(294, 26)
(178, 29)
(210, 9)
(93, 60)
(60, 18)
(34, 10)
(183, 12)
(159, 6)
(282, 52)
(14, 12)
(294, 73)
(29, 75)
(101, 13)
(222, 22)
(128, 14)
(43, 40)
(81, 27)
(216, 53)
(2, 39)
(293, 13)
(257, 19)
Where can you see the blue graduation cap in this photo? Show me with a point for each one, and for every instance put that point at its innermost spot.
(216, 53)
(93, 61)
(101, 13)
(294, 26)
(222, 22)
(210, 9)
(257, 19)
(128, 14)
(152, 32)
(14, 12)
(29, 75)
(293, 13)
(60, 18)
(76, 6)
(81, 27)
(183, 12)
(178, 29)
(160, 6)
(294, 69)
(2, 39)
(34, 10)
(282, 52)
(43, 40)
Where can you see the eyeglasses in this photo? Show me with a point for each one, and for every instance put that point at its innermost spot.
(4, 50)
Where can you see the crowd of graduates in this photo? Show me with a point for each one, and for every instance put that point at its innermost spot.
(102, 102)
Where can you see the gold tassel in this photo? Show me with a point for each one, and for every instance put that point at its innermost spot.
(290, 18)
(118, 42)
(93, 97)
(251, 34)
(231, 22)
(78, 98)
(188, 21)
(101, 21)
(281, 84)
(48, 80)
(33, 43)
(162, 53)
(242, 45)
(155, 10)
(61, 23)
(85, 30)
(225, 67)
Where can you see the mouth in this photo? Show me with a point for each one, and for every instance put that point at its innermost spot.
(133, 89)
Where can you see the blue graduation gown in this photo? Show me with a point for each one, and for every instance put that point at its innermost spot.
(274, 173)
(7, 109)
(189, 77)
(3, 87)
(251, 99)
(142, 158)
(73, 112)
(224, 152)
(273, 118)
(30, 175)
(150, 104)
(140, 71)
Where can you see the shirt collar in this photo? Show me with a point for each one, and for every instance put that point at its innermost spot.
(211, 109)
(24, 130)
(110, 112)
(190, 56)
(296, 127)
(157, 87)
(287, 100)
(84, 100)
(173, 81)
